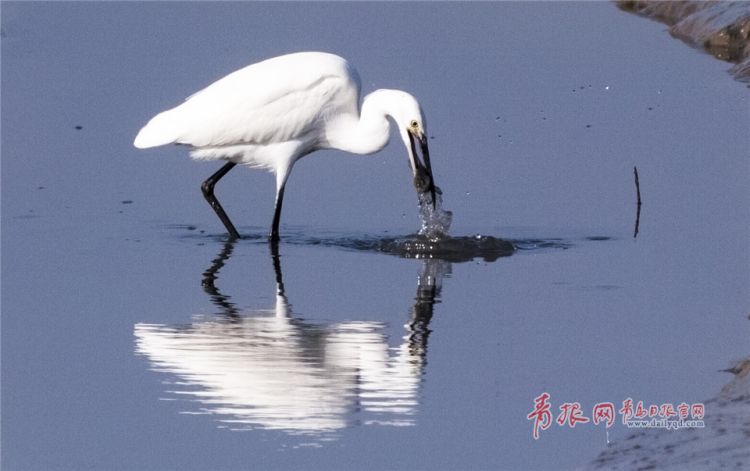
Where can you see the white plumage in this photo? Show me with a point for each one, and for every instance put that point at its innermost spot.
(271, 113)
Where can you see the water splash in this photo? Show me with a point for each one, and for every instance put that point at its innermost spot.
(435, 220)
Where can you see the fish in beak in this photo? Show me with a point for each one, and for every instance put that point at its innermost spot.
(423, 180)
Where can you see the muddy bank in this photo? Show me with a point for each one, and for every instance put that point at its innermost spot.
(720, 28)
(722, 444)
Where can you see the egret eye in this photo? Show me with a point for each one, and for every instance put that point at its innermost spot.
(414, 124)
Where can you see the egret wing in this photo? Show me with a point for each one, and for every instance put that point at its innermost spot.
(276, 100)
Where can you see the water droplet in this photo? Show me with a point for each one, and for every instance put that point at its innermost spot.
(435, 220)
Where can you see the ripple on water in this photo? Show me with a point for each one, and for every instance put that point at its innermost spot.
(452, 249)
(431, 242)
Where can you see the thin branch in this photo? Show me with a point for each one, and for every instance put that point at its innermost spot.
(638, 210)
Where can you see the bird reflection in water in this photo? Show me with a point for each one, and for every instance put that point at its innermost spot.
(271, 370)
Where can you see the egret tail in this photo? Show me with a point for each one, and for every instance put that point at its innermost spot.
(161, 130)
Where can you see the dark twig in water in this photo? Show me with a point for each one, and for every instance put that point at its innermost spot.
(638, 210)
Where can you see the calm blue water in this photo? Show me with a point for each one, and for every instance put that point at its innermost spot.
(134, 337)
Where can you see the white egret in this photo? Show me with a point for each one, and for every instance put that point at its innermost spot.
(272, 113)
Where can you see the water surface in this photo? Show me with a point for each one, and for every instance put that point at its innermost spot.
(133, 337)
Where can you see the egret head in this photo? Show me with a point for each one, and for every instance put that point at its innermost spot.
(412, 127)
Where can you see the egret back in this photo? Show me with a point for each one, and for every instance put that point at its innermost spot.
(273, 101)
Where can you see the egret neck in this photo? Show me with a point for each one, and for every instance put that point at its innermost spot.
(369, 132)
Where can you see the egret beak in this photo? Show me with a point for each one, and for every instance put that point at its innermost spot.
(423, 180)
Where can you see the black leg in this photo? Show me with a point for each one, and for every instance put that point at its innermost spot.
(274, 235)
(274, 246)
(208, 192)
